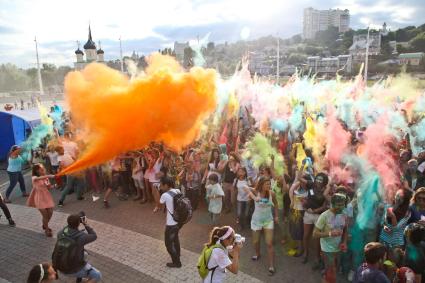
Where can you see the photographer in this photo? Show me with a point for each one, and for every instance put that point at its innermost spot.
(69, 255)
(221, 253)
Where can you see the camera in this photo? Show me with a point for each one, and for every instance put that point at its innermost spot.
(239, 239)
(82, 215)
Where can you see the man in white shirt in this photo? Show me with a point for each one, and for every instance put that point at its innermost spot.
(172, 228)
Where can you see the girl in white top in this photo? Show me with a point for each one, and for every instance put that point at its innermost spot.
(137, 175)
(212, 165)
(219, 260)
(242, 205)
(215, 196)
(154, 179)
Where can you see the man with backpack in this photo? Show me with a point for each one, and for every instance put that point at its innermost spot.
(179, 212)
(69, 256)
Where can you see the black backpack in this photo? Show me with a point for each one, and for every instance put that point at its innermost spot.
(182, 208)
(65, 256)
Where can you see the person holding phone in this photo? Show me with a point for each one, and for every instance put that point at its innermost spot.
(76, 266)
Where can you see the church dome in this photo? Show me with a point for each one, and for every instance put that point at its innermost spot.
(100, 51)
(78, 51)
(90, 43)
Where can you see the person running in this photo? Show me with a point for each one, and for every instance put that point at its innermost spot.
(262, 218)
(14, 170)
(172, 228)
(42, 273)
(40, 196)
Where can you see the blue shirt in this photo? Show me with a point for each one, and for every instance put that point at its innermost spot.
(15, 164)
(366, 274)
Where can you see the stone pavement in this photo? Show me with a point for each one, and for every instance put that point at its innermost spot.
(22, 249)
(135, 250)
(130, 234)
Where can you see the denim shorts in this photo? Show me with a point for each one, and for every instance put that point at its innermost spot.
(88, 272)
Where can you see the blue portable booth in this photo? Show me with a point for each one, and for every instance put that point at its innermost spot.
(15, 125)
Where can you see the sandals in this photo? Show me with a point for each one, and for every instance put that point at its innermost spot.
(272, 271)
(48, 232)
(155, 209)
(255, 257)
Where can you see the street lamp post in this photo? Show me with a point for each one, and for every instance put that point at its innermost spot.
(40, 82)
(367, 55)
(277, 65)
(122, 63)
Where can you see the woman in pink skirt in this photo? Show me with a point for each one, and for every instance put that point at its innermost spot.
(40, 196)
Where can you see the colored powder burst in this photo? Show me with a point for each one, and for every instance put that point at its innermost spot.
(300, 156)
(38, 133)
(378, 149)
(296, 119)
(197, 46)
(56, 115)
(259, 150)
(337, 138)
(368, 197)
(315, 139)
(279, 125)
(116, 114)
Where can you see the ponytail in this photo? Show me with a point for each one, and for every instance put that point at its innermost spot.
(216, 233)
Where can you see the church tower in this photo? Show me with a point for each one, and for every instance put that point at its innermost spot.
(79, 53)
(90, 49)
(100, 53)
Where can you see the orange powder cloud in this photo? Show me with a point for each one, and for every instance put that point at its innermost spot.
(115, 114)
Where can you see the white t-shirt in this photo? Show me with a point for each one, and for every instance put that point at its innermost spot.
(138, 169)
(71, 148)
(219, 258)
(215, 204)
(169, 204)
(65, 160)
(155, 170)
(240, 185)
(53, 157)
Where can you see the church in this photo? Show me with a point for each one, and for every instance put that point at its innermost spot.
(92, 53)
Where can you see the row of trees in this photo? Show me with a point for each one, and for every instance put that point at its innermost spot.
(13, 78)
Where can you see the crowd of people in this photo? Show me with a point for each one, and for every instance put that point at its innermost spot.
(346, 225)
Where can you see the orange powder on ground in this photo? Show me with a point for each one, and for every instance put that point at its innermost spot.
(115, 114)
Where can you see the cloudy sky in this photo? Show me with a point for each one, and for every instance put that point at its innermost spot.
(147, 25)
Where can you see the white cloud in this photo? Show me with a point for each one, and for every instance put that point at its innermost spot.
(55, 21)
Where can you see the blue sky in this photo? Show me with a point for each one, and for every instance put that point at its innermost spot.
(146, 26)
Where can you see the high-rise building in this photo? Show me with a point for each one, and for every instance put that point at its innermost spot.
(319, 20)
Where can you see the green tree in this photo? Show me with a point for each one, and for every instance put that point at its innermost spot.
(418, 42)
(296, 58)
(13, 78)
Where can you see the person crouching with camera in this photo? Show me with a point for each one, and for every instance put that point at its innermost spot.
(220, 254)
(69, 256)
